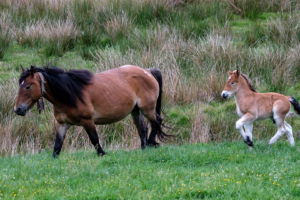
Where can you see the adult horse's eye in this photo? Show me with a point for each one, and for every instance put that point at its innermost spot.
(232, 83)
(28, 87)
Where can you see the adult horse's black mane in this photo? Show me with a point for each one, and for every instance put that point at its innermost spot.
(66, 86)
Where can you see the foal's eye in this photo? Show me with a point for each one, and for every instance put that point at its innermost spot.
(28, 87)
(232, 83)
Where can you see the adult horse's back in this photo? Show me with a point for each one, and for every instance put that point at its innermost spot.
(82, 98)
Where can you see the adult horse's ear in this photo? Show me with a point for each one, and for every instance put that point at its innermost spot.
(230, 73)
(22, 68)
(238, 73)
(32, 71)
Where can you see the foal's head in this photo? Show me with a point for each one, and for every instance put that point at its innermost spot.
(232, 84)
(29, 91)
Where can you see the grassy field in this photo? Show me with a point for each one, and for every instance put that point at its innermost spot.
(194, 43)
(201, 171)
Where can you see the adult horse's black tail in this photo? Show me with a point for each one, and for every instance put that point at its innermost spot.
(157, 75)
(156, 126)
(295, 103)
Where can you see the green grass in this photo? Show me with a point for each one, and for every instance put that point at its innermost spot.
(203, 171)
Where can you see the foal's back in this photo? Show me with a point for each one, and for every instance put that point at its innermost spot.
(265, 104)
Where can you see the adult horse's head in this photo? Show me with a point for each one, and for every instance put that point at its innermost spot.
(232, 84)
(29, 91)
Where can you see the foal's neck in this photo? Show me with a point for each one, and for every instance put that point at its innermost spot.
(244, 89)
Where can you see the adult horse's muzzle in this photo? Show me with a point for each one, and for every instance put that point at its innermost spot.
(21, 110)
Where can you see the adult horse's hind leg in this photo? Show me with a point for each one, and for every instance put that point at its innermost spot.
(61, 130)
(155, 127)
(156, 130)
(155, 121)
(140, 125)
(91, 131)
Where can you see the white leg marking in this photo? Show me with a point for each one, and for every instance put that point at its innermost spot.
(280, 126)
(247, 121)
(239, 126)
(279, 133)
(289, 133)
(248, 129)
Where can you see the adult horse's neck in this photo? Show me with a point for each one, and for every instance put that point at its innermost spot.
(244, 89)
(48, 94)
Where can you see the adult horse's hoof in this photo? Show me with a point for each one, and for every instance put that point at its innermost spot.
(101, 154)
(55, 154)
(152, 144)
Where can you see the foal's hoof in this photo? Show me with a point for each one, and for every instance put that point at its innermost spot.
(249, 142)
(270, 142)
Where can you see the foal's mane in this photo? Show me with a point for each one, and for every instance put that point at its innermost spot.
(249, 82)
(66, 86)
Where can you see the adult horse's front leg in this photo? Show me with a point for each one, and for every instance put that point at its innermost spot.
(61, 130)
(91, 131)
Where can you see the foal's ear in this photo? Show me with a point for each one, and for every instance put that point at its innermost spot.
(32, 69)
(230, 73)
(238, 73)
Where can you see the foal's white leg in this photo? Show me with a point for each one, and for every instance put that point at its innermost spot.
(248, 129)
(289, 133)
(246, 120)
(279, 133)
(281, 128)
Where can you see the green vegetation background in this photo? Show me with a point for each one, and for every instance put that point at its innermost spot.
(194, 43)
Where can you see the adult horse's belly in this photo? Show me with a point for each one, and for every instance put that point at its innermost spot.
(101, 120)
(112, 114)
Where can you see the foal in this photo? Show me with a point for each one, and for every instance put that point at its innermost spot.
(251, 106)
(82, 98)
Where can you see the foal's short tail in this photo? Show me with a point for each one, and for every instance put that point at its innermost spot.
(295, 103)
(157, 75)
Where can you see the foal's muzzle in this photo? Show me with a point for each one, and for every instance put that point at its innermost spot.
(21, 110)
(225, 94)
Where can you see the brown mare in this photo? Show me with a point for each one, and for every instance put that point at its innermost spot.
(82, 98)
(251, 105)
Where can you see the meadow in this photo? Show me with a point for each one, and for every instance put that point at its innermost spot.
(199, 171)
(194, 43)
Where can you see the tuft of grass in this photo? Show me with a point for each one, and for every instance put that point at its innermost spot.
(6, 34)
(284, 30)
